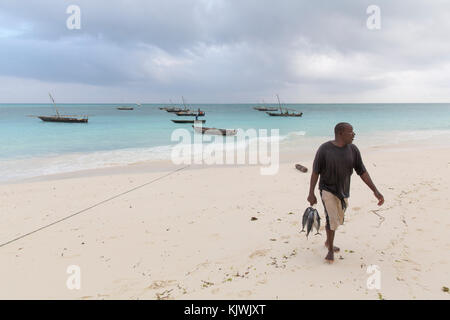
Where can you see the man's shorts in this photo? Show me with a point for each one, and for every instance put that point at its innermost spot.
(333, 209)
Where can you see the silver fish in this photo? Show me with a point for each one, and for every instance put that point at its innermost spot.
(309, 222)
(316, 221)
(305, 218)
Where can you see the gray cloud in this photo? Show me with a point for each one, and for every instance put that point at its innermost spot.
(228, 50)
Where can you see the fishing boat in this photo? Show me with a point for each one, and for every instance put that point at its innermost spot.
(128, 108)
(174, 110)
(285, 113)
(63, 118)
(265, 108)
(171, 108)
(188, 121)
(191, 114)
(216, 131)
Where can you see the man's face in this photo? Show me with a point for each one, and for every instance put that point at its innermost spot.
(348, 135)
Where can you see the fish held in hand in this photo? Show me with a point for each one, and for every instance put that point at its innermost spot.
(309, 222)
(305, 218)
(316, 221)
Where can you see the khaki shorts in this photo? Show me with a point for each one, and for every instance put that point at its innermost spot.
(333, 209)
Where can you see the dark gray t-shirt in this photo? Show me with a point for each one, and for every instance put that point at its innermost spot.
(335, 166)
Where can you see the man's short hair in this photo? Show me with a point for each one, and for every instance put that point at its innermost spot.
(340, 127)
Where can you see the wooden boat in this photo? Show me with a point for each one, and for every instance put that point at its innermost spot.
(191, 114)
(286, 113)
(265, 109)
(188, 121)
(174, 109)
(220, 132)
(63, 118)
(128, 108)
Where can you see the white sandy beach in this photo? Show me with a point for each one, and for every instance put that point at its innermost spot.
(190, 235)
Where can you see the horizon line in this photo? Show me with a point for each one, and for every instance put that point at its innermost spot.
(249, 103)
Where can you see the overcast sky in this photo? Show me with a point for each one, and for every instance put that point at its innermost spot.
(223, 51)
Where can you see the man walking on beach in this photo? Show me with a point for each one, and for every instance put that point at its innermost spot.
(334, 162)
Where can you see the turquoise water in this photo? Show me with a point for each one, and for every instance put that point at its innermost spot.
(32, 147)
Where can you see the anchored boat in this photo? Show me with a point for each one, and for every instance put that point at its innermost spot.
(191, 114)
(286, 113)
(188, 121)
(265, 108)
(63, 118)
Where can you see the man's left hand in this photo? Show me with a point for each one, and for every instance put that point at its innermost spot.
(379, 197)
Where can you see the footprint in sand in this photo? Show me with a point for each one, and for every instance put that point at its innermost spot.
(259, 253)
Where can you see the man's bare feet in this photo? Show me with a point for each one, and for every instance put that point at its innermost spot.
(335, 249)
(330, 257)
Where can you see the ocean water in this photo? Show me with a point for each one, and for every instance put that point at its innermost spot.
(31, 147)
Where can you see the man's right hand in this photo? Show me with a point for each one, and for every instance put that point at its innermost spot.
(312, 199)
(379, 197)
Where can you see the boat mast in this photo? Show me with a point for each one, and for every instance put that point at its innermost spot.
(54, 104)
(184, 104)
(281, 111)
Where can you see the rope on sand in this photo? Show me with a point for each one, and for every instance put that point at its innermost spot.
(93, 206)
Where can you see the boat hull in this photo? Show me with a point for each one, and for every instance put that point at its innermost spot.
(188, 121)
(265, 109)
(276, 114)
(190, 114)
(63, 119)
